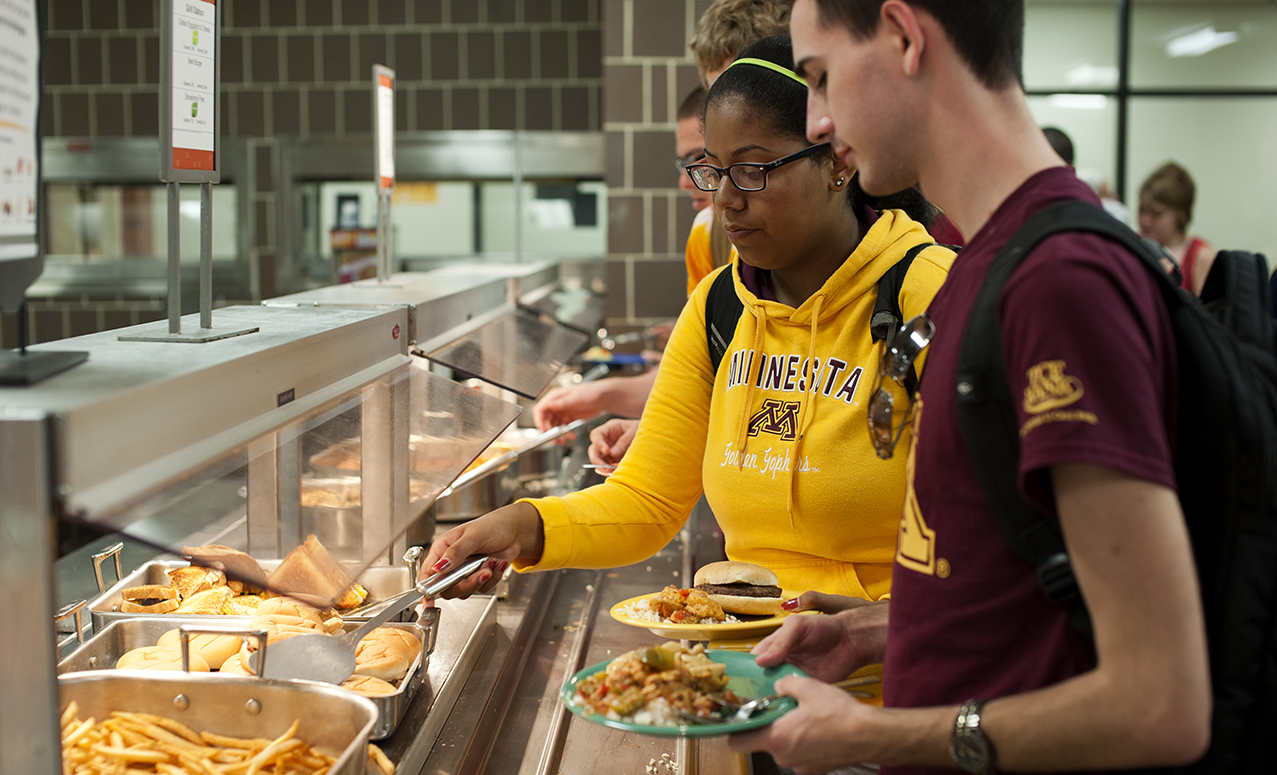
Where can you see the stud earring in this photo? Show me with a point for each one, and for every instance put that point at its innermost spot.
(840, 181)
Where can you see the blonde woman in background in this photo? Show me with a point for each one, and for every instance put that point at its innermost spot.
(1166, 209)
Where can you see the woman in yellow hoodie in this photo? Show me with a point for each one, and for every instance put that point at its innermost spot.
(784, 459)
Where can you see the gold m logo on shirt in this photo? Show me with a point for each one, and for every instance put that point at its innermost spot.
(779, 418)
(1050, 388)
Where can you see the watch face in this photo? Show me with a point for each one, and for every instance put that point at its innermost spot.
(971, 753)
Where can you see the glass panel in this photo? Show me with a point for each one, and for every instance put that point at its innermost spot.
(92, 224)
(560, 219)
(318, 503)
(1220, 44)
(430, 219)
(1227, 146)
(577, 307)
(518, 352)
(1070, 45)
(1090, 121)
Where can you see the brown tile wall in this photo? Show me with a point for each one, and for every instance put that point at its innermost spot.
(647, 70)
(297, 67)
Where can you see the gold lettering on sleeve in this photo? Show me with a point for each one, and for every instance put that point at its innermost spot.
(915, 542)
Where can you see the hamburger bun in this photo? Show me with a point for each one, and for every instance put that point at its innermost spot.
(368, 686)
(741, 587)
(387, 653)
(159, 658)
(215, 649)
(234, 666)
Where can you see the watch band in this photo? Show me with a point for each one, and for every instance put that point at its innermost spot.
(969, 747)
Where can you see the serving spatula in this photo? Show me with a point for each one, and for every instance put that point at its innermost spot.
(331, 658)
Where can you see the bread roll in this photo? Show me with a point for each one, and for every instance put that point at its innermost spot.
(283, 606)
(235, 666)
(158, 658)
(274, 634)
(214, 649)
(368, 686)
(243, 605)
(387, 653)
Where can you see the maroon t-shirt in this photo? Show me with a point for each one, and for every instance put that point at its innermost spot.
(1090, 353)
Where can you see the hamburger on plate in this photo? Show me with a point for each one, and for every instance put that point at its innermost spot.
(741, 587)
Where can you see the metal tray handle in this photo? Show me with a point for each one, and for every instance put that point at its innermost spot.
(187, 630)
(429, 621)
(412, 559)
(111, 551)
(76, 610)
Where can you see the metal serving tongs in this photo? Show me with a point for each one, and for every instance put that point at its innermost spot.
(331, 658)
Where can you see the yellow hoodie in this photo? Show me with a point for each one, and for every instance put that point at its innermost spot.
(697, 255)
(788, 468)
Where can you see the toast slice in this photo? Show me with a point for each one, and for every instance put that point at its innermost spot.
(210, 602)
(312, 574)
(237, 565)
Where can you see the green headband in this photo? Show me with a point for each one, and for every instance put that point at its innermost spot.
(785, 71)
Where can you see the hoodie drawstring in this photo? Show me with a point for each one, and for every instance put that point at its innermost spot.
(760, 326)
(807, 399)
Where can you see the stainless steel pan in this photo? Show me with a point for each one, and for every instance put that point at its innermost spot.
(334, 720)
(381, 581)
(103, 650)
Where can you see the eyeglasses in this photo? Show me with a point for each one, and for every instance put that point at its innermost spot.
(900, 352)
(682, 162)
(746, 176)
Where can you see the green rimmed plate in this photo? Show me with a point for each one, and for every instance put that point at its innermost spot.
(744, 677)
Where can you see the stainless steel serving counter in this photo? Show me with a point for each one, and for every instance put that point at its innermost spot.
(507, 717)
(491, 704)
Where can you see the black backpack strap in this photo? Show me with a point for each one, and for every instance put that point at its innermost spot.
(986, 408)
(887, 316)
(1242, 279)
(723, 309)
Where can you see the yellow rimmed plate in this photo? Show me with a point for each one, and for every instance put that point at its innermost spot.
(748, 627)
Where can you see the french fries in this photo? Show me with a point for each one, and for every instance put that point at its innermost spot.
(144, 744)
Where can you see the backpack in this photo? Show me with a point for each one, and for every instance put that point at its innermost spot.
(723, 309)
(1225, 467)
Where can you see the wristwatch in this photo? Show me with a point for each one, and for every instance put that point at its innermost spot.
(970, 748)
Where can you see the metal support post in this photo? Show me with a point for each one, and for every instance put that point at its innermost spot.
(174, 258)
(206, 255)
(30, 740)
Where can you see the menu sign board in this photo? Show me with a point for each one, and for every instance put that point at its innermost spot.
(384, 122)
(189, 91)
(19, 104)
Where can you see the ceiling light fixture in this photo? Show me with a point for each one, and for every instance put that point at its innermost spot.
(1203, 41)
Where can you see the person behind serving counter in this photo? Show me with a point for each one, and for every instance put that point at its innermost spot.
(785, 461)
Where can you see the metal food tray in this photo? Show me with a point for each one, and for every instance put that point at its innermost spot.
(103, 650)
(381, 581)
(492, 484)
(333, 720)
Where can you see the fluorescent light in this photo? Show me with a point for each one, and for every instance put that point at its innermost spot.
(1079, 101)
(1203, 41)
(1087, 74)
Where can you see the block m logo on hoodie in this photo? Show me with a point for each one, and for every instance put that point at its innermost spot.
(779, 418)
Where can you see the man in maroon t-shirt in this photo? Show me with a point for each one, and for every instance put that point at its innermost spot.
(981, 670)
